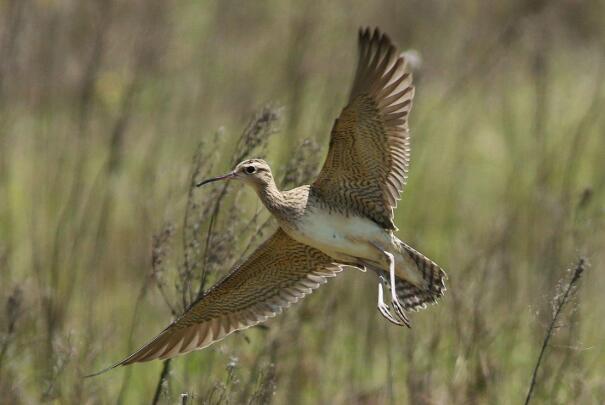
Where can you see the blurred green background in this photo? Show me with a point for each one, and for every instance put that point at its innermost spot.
(103, 105)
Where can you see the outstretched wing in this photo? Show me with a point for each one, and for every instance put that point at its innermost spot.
(369, 150)
(280, 272)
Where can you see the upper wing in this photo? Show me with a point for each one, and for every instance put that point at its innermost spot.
(280, 272)
(369, 150)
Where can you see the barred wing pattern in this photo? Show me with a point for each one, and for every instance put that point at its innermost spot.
(279, 273)
(369, 150)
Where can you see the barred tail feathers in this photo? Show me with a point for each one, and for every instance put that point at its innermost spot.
(416, 296)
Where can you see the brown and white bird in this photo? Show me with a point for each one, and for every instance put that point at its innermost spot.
(345, 218)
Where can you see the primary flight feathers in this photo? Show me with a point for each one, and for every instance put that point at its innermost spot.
(369, 153)
(279, 273)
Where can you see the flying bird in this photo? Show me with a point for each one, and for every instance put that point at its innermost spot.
(344, 218)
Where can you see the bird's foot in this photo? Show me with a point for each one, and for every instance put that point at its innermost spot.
(398, 308)
(384, 308)
(400, 312)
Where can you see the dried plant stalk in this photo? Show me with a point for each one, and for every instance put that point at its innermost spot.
(558, 302)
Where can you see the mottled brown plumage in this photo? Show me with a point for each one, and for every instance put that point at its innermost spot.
(345, 218)
(279, 273)
(369, 154)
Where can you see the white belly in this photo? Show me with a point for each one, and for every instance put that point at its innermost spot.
(338, 235)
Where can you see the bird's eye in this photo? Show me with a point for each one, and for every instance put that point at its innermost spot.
(250, 169)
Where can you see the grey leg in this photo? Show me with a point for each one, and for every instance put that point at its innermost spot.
(394, 299)
(398, 316)
(383, 308)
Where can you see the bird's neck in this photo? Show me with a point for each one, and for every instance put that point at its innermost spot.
(273, 199)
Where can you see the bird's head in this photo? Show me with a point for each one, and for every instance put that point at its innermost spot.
(255, 172)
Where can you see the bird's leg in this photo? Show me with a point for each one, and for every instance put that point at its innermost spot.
(350, 261)
(394, 299)
(357, 266)
(383, 308)
(398, 308)
(382, 283)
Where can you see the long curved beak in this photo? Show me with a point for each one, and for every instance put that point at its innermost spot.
(227, 176)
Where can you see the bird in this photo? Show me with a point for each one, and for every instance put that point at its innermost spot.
(345, 218)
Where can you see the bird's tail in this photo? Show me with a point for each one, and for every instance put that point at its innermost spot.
(416, 296)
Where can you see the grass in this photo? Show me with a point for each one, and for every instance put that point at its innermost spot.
(109, 111)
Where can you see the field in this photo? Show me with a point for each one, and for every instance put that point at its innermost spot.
(110, 110)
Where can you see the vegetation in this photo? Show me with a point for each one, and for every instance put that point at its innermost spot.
(110, 110)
